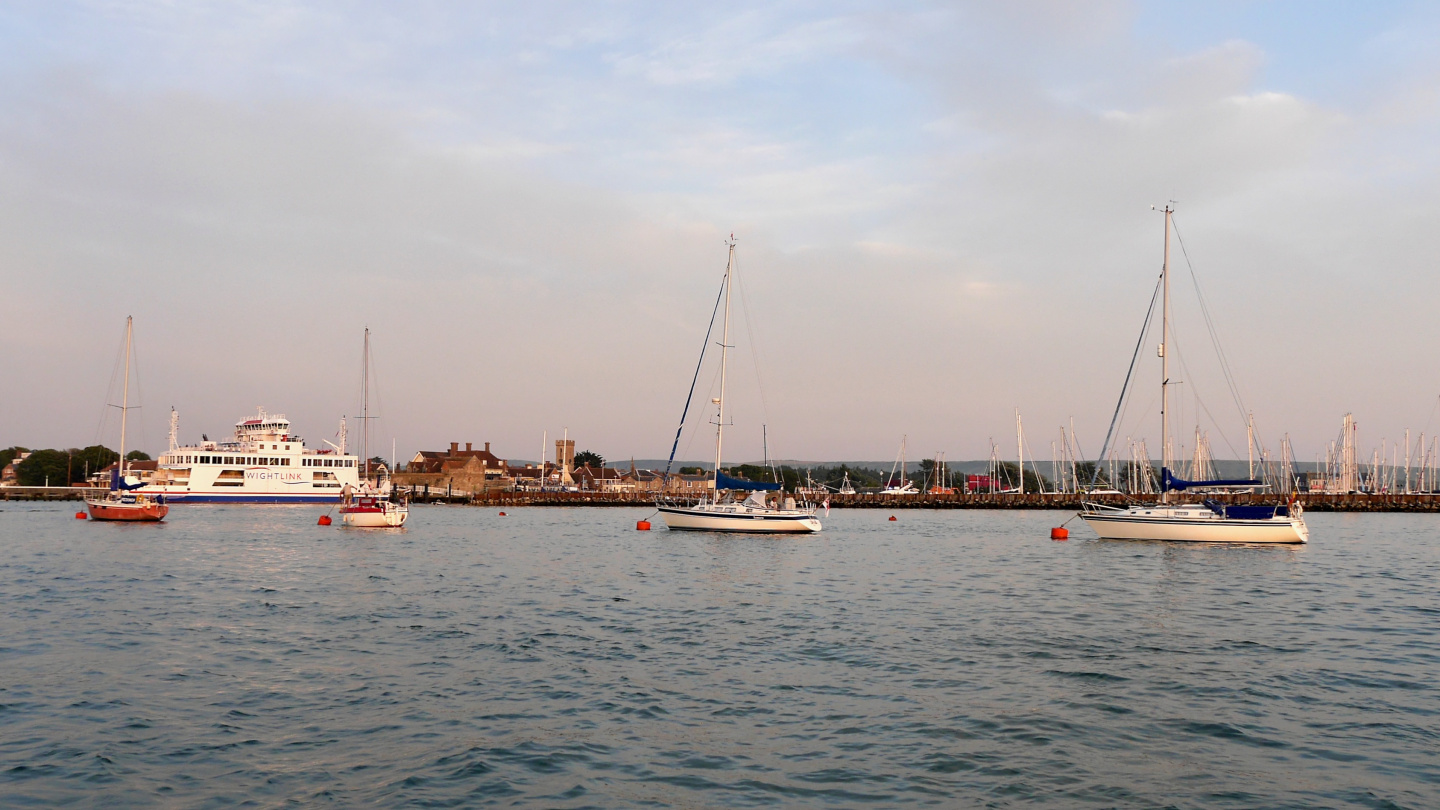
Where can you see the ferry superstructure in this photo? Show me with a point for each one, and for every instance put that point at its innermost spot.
(265, 463)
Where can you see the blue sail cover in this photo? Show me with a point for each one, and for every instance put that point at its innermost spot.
(723, 481)
(1246, 512)
(1169, 482)
(116, 482)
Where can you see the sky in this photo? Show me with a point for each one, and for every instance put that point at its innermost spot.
(943, 213)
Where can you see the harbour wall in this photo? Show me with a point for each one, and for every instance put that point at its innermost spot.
(1314, 502)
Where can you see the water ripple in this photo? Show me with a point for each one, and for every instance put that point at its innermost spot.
(560, 659)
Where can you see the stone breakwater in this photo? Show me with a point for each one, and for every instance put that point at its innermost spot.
(1316, 502)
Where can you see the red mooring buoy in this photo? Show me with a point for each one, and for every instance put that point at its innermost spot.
(80, 515)
(892, 517)
(324, 520)
(642, 525)
(502, 514)
(1059, 533)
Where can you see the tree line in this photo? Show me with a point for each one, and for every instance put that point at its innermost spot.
(61, 468)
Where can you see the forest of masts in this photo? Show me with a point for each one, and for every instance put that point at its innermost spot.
(1403, 467)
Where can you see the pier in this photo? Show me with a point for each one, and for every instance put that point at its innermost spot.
(50, 493)
(1314, 502)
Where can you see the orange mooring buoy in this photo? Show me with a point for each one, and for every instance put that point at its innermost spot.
(80, 515)
(502, 514)
(642, 525)
(1059, 533)
(323, 521)
(892, 517)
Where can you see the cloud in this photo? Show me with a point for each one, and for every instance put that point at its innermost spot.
(943, 213)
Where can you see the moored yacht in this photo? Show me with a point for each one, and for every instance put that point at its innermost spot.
(725, 508)
(374, 507)
(122, 502)
(1208, 521)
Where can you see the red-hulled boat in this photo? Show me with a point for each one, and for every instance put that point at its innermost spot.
(122, 502)
(125, 505)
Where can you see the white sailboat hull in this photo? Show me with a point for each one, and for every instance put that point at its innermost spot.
(390, 517)
(1193, 524)
(738, 518)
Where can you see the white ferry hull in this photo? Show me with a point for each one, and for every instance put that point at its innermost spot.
(244, 497)
(263, 463)
(756, 521)
(1196, 529)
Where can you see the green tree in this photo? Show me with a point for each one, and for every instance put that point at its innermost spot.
(1008, 478)
(860, 477)
(44, 466)
(589, 457)
(91, 460)
(138, 455)
(1086, 472)
(8, 454)
(692, 470)
(928, 477)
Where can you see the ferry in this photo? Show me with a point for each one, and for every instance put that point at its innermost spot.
(265, 463)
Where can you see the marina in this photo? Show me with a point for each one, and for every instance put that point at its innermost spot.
(1064, 433)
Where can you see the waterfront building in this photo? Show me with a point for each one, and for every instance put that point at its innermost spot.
(8, 475)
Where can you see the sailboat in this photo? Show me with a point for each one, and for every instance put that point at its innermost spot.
(371, 507)
(941, 475)
(722, 509)
(122, 502)
(905, 487)
(1207, 521)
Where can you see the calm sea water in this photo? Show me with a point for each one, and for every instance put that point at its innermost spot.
(559, 658)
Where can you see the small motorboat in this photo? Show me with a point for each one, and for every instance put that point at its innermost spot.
(374, 512)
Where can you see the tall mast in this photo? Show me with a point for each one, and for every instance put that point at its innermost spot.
(1020, 450)
(1250, 444)
(1165, 362)
(365, 410)
(724, 354)
(125, 397)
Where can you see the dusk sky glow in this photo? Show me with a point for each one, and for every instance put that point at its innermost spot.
(943, 213)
